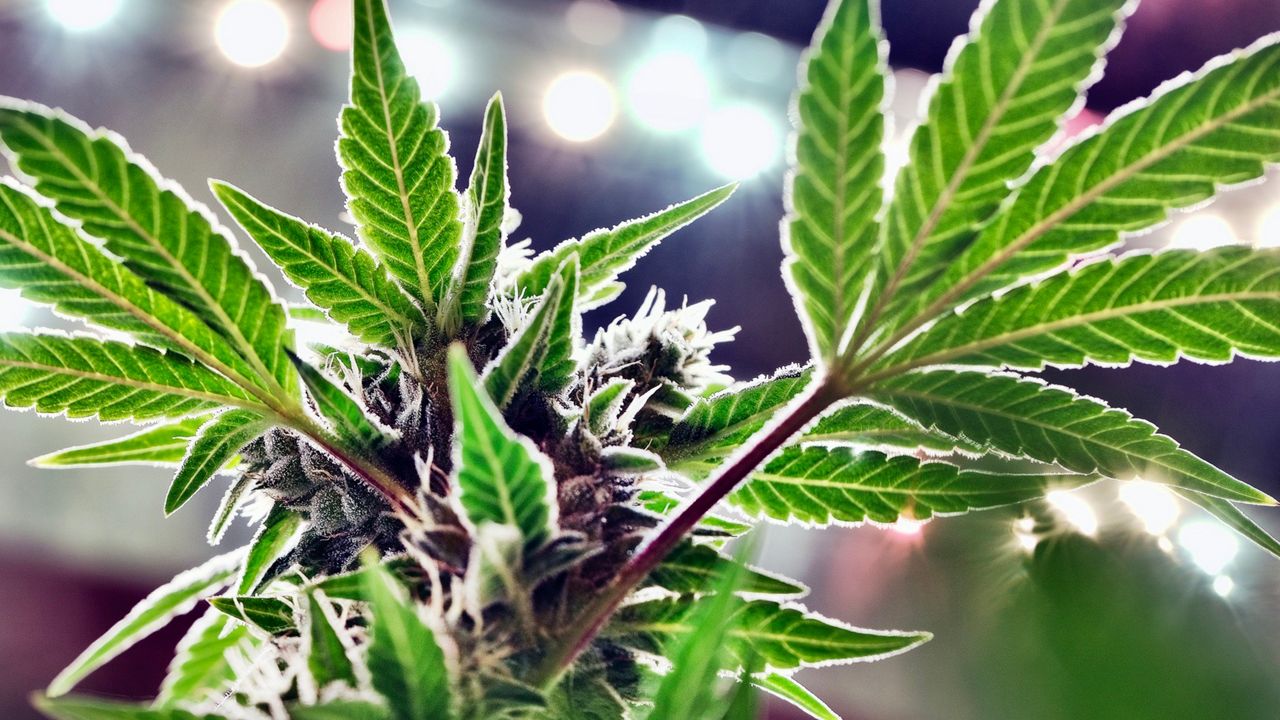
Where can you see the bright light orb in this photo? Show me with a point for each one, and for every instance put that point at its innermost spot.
(332, 23)
(598, 22)
(740, 141)
(908, 526)
(251, 33)
(82, 15)
(1075, 510)
(1269, 228)
(1203, 231)
(429, 60)
(1154, 504)
(1223, 585)
(682, 33)
(579, 106)
(756, 57)
(669, 92)
(1210, 545)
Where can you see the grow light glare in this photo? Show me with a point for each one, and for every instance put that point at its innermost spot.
(251, 33)
(908, 526)
(1223, 585)
(1203, 231)
(1075, 510)
(332, 23)
(1024, 533)
(579, 106)
(1154, 505)
(82, 15)
(669, 92)
(429, 60)
(740, 142)
(1269, 228)
(1210, 545)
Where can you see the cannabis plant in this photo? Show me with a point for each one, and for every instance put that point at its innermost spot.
(465, 509)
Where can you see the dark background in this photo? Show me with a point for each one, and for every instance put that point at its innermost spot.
(1106, 627)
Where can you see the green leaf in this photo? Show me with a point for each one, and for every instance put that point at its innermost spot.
(82, 708)
(601, 409)
(350, 585)
(51, 264)
(201, 668)
(1003, 94)
(277, 534)
(793, 692)
(214, 446)
(605, 254)
(1050, 424)
(716, 425)
(397, 173)
(168, 239)
(340, 710)
(1149, 307)
(269, 614)
(501, 477)
(820, 485)
(164, 444)
(341, 411)
(692, 568)
(1200, 131)
(872, 426)
(585, 698)
(1234, 518)
(342, 279)
(541, 353)
(326, 654)
(166, 602)
(405, 662)
(781, 637)
(834, 190)
(228, 506)
(482, 233)
(86, 377)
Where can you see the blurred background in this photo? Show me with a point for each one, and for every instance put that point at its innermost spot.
(1135, 606)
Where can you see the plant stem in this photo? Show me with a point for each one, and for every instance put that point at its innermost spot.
(811, 404)
(373, 475)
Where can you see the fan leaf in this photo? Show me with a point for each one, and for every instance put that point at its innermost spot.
(692, 568)
(278, 531)
(214, 446)
(156, 445)
(405, 662)
(201, 668)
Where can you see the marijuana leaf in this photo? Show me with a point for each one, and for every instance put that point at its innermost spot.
(834, 187)
(793, 692)
(163, 444)
(78, 708)
(541, 353)
(1042, 422)
(215, 444)
(397, 173)
(269, 614)
(1234, 518)
(277, 533)
(405, 661)
(327, 655)
(347, 418)
(344, 280)
(864, 425)
(502, 478)
(201, 666)
(692, 568)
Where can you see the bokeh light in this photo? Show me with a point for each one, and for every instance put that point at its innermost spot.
(669, 92)
(251, 33)
(1075, 510)
(429, 59)
(682, 33)
(82, 15)
(598, 22)
(1202, 231)
(1209, 544)
(740, 141)
(757, 57)
(332, 23)
(1154, 505)
(1223, 585)
(579, 106)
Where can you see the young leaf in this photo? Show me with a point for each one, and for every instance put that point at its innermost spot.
(157, 445)
(165, 237)
(1005, 89)
(605, 254)
(327, 658)
(81, 708)
(819, 485)
(1200, 131)
(602, 408)
(692, 568)
(716, 425)
(201, 667)
(271, 615)
(343, 414)
(502, 478)
(350, 585)
(342, 279)
(863, 425)
(166, 602)
(482, 233)
(834, 185)
(1028, 418)
(793, 692)
(778, 636)
(277, 533)
(397, 173)
(1234, 518)
(1204, 305)
(541, 353)
(214, 446)
(405, 662)
(50, 263)
(228, 506)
